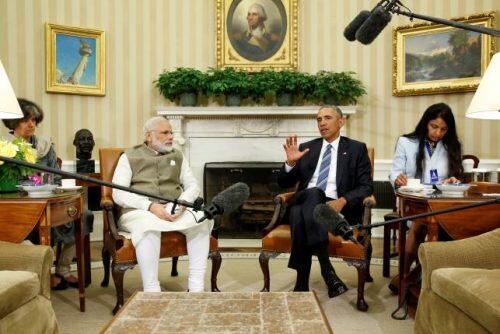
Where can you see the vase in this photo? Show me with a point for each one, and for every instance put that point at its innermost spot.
(284, 99)
(233, 100)
(189, 99)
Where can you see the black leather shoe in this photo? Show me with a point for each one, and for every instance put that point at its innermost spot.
(335, 285)
(394, 285)
(63, 284)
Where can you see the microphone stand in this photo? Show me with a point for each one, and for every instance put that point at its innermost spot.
(460, 25)
(195, 206)
(428, 214)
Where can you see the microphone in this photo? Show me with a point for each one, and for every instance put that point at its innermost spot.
(227, 201)
(350, 30)
(333, 222)
(373, 26)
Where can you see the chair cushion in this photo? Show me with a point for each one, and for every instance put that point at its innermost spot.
(279, 240)
(172, 244)
(16, 289)
(474, 291)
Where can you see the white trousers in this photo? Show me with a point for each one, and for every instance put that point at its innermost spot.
(145, 231)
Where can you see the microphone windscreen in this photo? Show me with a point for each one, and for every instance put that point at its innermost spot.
(373, 25)
(324, 215)
(232, 197)
(350, 30)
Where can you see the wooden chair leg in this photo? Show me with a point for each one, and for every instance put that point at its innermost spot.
(386, 270)
(216, 263)
(174, 272)
(106, 259)
(264, 266)
(86, 255)
(361, 303)
(118, 273)
(368, 261)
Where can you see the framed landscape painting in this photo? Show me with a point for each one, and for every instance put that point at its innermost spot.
(433, 59)
(75, 60)
(256, 34)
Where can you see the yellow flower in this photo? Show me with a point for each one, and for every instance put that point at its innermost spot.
(30, 155)
(7, 149)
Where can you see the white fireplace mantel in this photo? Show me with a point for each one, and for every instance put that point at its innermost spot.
(242, 134)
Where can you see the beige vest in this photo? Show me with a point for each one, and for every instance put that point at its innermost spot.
(154, 173)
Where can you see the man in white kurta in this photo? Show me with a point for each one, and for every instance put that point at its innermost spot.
(157, 168)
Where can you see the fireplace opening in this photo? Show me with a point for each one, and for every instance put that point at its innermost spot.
(257, 211)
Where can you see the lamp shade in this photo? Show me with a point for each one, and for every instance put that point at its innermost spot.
(486, 101)
(9, 107)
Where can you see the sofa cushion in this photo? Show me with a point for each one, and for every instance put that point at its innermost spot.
(474, 291)
(16, 289)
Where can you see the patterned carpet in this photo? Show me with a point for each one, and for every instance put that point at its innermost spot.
(240, 272)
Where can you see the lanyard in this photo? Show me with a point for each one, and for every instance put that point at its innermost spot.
(428, 147)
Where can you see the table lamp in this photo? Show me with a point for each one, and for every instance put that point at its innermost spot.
(486, 101)
(9, 107)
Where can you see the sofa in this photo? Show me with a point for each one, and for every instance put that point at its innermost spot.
(25, 305)
(460, 286)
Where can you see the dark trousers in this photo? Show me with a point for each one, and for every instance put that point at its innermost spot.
(307, 235)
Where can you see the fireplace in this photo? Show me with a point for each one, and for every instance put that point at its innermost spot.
(256, 212)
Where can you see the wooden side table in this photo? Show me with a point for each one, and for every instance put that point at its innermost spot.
(20, 214)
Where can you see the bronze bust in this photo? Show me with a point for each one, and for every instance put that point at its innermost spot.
(84, 143)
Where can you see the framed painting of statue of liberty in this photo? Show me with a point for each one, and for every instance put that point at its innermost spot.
(435, 59)
(75, 60)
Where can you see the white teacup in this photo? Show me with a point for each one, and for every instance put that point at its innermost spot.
(413, 183)
(468, 165)
(68, 183)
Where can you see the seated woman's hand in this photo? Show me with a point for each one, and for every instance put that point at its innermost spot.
(401, 180)
(451, 180)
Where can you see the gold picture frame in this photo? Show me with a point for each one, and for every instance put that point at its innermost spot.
(75, 60)
(434, 59)
(274, 42)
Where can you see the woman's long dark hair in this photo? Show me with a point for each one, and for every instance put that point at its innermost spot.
(450, 139)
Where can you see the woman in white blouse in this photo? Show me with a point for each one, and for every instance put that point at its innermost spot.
(431, 153)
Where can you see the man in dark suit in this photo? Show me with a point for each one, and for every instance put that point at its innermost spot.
(331, 169)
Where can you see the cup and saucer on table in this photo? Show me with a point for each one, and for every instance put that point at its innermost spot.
(68, 185)
(414, 186)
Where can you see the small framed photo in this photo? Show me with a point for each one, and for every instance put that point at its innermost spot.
(435, 59)
(75, 60)
(257, 34)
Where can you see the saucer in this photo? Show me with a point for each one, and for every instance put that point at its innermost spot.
(69, 188)
(412, 189)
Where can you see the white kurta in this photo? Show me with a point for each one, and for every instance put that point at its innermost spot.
(134, 223)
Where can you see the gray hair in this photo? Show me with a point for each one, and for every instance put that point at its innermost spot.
(260, 10)
(150, 123)
(333, 107)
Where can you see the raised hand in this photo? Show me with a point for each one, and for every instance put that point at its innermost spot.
(292, 151)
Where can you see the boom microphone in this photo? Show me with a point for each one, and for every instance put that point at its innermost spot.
(373, 26)
(227, 201)
(350, 30)
(333, 222)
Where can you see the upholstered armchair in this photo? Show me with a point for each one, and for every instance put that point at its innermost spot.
(25, 305)
(120, 250)
(277, 239)
(460, 286)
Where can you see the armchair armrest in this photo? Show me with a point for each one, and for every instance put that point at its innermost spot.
(279, 202)
(34, 258)
(108, 207)
(482, 251)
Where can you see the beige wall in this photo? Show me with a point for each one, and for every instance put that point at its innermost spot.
(144, 37)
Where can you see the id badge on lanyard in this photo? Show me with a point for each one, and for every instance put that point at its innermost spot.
(433, 172)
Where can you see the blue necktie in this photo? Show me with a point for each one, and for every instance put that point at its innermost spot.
(324, 169)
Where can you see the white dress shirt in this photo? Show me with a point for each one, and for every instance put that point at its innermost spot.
(123, 177)
(331, 185)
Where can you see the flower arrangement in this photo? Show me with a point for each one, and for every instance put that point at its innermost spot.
(10, 174)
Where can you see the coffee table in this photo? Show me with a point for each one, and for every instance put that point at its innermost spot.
(227, 312)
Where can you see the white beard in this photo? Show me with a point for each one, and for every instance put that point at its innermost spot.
(161, 147)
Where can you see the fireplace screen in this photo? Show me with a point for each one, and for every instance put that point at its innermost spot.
(256, 212)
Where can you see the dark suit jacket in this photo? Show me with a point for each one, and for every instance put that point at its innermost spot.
(354, 181)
